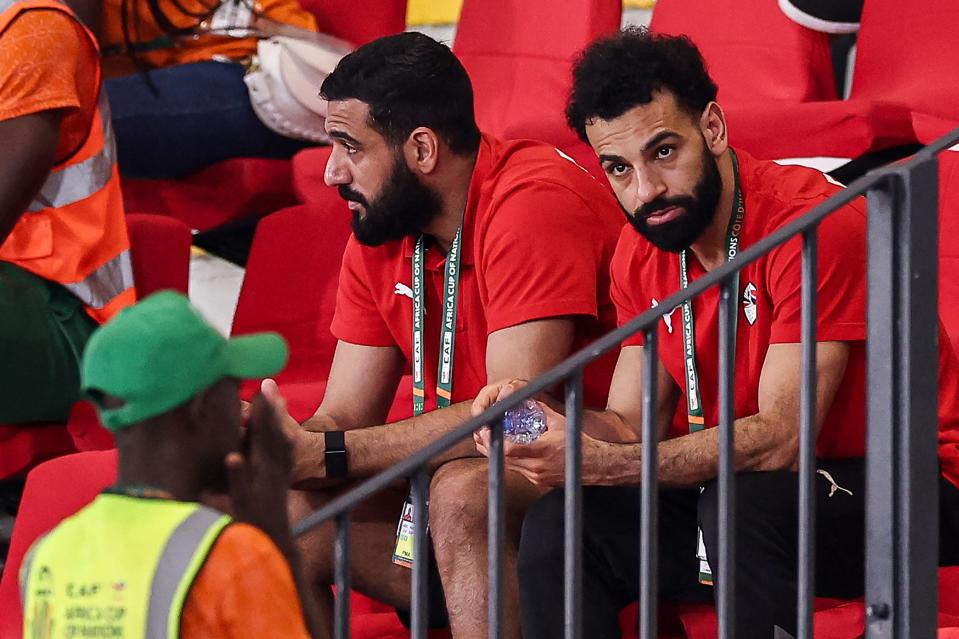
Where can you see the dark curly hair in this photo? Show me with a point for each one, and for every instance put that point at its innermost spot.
(409, 80)
(622, 71)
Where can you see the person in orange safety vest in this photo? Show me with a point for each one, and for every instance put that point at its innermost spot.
(64, 251)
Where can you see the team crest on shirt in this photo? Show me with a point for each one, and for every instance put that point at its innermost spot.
(667, 318)
(749, 303)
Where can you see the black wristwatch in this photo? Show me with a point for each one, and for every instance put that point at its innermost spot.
(335, 441)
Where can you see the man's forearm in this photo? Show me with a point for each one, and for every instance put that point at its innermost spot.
(692, 460)
(375, 448)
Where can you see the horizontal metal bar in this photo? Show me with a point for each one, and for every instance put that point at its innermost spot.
(601, 346)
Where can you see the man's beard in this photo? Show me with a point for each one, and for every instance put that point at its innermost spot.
(404, 207)
(699, 210)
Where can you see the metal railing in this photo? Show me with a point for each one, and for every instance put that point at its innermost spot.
(901, 460)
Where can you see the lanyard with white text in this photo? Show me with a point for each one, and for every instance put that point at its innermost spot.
(694, 402)
(444, 365)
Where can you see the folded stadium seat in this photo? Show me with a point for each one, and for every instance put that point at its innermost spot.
(160, 252)
(244, 187)
(776, 81)
(519, 55)
(227, 190)
(54, 490)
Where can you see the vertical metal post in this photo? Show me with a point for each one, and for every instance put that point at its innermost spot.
(649, 493)
(807, 440)
(726, 600)
(902, 378)
(496, 516)
(573, 565)
(419, 598)
(341, 559)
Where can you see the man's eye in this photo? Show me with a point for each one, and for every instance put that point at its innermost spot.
(664, 152)
(617, 170)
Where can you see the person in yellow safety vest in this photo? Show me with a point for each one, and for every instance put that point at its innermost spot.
(147, 558)
(64, 252)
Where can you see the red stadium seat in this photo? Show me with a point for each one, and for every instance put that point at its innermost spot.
(54, 490)
(228, 190)
(519, 55)
(754, 52)
(290, 285)
(358, 22)
(776, 81)
(160, 252)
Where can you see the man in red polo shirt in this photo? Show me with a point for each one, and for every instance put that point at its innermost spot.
(471, 259)
(647, 107)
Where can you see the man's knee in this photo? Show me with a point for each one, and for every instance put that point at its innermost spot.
(458, 501)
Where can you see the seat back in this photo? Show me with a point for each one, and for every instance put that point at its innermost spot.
(290, 285)
(54, 490)
(160, 250)
(907, 53)
(358, 22)
(519, 53)
(753, 51)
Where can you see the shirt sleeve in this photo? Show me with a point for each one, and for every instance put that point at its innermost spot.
(622, 290)
(49, 63)
(357, 319)
(841, 282)
(540, 257)
(244, 589)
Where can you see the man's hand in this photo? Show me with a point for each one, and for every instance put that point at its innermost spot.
(259, 477)
(543, 462)
(308, 449)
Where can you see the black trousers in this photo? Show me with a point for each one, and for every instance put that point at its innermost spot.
(766, 549)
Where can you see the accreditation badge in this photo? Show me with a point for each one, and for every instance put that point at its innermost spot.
(705, 572)
(405, 535)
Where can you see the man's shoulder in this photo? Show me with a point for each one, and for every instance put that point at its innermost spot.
(517, 163)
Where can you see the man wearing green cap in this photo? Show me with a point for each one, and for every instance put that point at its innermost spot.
(146, 558)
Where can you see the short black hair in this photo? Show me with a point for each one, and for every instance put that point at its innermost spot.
(409, 80)
(622, 71)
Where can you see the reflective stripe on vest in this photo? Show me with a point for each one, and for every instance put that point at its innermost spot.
(79, 181)
(122, 566)
(102, 285)
(169, 590)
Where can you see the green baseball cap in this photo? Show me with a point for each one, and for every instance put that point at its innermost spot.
(159, 353)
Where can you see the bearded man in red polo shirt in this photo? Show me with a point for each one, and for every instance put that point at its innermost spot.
(647, 106)
(471, 259)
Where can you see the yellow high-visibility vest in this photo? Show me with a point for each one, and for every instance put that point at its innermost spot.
(121, 567)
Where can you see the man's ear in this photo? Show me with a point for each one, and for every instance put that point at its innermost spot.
(712, 124)
(201, 410)
(421, 150)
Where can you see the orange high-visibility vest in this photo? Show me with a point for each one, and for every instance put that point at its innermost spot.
(74, 232)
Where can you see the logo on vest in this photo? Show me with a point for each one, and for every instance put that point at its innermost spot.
(403, 289)
(749, 303)
(667, 318)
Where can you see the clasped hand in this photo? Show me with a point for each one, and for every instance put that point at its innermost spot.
(543, 461)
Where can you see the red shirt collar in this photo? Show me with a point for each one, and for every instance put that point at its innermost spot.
(482, 168)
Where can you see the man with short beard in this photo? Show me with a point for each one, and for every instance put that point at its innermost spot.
(647, 106)
(505, 249)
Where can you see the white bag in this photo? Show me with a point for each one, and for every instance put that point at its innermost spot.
(284, 81)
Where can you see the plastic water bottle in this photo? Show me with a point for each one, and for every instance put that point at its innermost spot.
(524, 424)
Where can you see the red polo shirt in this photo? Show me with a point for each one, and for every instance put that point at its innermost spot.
(774, 196)
(538, 236)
